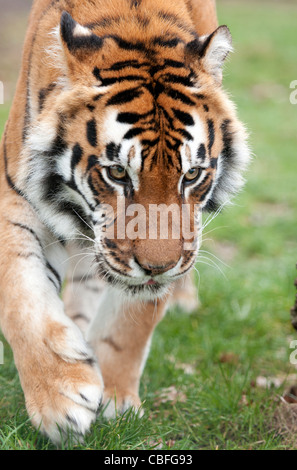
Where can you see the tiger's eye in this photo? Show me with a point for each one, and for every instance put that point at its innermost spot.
(118, 173)
(192, 175)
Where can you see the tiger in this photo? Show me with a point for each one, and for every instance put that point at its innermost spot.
(119, 103)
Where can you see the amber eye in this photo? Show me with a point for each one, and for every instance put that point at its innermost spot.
(118, 173)
(192, 175)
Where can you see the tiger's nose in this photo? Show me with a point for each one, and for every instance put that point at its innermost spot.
(153, 269)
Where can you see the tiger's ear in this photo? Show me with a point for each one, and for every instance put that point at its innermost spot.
(76, 38)
(212, 51)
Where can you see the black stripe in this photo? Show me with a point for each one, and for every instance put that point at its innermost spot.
(43, 94)
(92, 161)
(28, 229)
(59, 145)
(203, 196)
(127, 45)
(185, 134)
(112, 151)
(211, 206)
(54, 192)
(30, 255)
(110, 244)
(48, 265)
(197, 190)
(98, 97)
(228, 152)
(52, 186)
(133, 118)
(125, 78)
(173, 63)
(117, 66)
(173, 78)
(96, 73)
(68, 25)
(92, 187)
(161, 41)
(150, 143)
(115, 269)
(103, 22)
(199, 96)
(154, 69)
(183, 117)
(54, 273)
(213, 162)
(124, 97)
(211, 135)
(178, 95)
(108, 187)
(201, 153)
(92, 132)
(77, 154)
(173, 146)
(72, 185)
(135, 132)
(128, 118)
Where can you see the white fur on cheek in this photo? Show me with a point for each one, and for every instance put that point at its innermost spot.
(42, 136)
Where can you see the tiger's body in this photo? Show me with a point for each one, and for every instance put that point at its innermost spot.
(117, 99)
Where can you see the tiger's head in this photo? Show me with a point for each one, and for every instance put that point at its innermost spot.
(135, 126)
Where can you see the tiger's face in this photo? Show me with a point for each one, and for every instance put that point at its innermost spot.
(143, 142)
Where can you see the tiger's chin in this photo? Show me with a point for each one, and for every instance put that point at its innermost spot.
(137, 289)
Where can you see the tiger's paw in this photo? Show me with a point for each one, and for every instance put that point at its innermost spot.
(64, 400)
(62, 396)
(115, 404)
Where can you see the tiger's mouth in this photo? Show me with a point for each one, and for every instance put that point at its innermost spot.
(146, 287)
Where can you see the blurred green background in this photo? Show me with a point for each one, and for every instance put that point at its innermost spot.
(228, 363)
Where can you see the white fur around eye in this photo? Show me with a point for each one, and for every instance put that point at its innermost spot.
(114, 131)
(190, 148)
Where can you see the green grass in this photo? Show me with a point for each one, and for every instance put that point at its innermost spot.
(242, 330)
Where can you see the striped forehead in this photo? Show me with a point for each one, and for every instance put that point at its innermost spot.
(125, 149)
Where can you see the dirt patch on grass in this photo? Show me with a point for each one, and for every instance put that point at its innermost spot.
(285, 424)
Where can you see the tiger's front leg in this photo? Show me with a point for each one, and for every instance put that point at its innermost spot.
(59, 377)
(121, 336)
